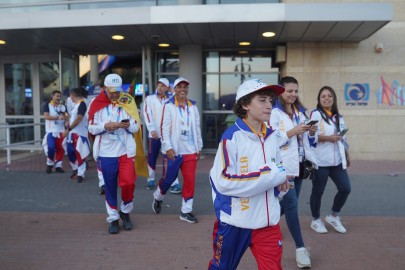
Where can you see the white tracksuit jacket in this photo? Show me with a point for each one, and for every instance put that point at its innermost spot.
(279, 120)
(243, 178)
(327, 153)
(122, 142)
(170, 126)
(152, 113)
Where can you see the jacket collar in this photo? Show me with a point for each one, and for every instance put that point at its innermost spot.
(244, 127)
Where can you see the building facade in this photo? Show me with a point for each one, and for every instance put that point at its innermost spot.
(353, 46)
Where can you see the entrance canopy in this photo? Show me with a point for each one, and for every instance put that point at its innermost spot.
(89, 31)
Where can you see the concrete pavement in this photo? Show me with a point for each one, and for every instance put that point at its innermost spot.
(49, 221)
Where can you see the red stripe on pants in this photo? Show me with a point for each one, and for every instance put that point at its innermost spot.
(188, 170)
(126, 178)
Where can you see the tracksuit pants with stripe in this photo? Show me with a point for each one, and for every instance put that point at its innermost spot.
(154, 146)
(230, 243)
(188, 166)
(75, 153)
(118, 171)
(55, 152)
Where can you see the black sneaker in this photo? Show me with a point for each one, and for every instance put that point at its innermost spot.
(126, 221)
(156, 206)
(80, 179)
(49, 169)
(59, 170)
(190, 218)
(102, 190)
(73, 175)
(114, 227)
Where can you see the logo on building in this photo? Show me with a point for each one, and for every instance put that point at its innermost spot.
(391, 95)
(357, 94)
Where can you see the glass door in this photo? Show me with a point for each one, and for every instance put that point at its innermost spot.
(69, 71)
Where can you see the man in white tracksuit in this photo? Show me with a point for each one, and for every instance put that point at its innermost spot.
(115, 148)
(152, 116)
(181, 147)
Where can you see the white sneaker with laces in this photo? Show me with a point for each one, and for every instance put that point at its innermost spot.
(318, 226)
(336, 224)
(303, 257)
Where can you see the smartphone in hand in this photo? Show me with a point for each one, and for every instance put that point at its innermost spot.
(343, 132)
(312, 122)
(125, 120)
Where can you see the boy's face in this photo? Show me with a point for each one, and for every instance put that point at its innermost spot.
(259, 108)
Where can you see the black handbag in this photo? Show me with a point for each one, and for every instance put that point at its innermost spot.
(306, 169)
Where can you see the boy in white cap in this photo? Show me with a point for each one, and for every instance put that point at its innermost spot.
(246, 179)
(181, 147)
(152, 115)
(113, 120)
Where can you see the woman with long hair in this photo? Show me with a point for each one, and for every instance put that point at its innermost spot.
(289, 116)
(332, 159)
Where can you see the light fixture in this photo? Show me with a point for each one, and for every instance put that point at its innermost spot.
(268, 34)
(244, 43)
(2, 42)
(118, 37)
(243, 52)
(164, 45)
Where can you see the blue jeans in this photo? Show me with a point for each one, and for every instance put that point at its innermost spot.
(289, 207)
(340, 178)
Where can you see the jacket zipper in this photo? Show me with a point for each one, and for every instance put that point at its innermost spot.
(267, 197)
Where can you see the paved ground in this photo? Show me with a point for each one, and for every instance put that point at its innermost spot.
(51, 222)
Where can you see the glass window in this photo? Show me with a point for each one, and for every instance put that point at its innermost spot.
(224, 72)
(168, 62)
(18, 83)
(168, 66)
(49, 81)
(20, 134)
(70, 74)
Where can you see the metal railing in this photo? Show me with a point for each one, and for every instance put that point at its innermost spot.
(9, 146)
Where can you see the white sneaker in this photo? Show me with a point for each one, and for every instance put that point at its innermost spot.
(336, 224)
(303, 257)
(318, 226)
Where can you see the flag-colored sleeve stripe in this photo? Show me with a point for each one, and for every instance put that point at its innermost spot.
(225, 154)
(246, 177)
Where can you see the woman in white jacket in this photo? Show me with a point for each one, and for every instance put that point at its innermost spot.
(289, 117)
(332, 157)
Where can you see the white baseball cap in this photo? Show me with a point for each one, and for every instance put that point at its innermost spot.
(113, 82)
(179, 80)
(254, 85)
(164, 81)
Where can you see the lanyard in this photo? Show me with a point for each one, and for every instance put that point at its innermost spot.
(263, 131)
(333, 119)
(119, 112)
(187, 115)
(296, 116)
(55, 106)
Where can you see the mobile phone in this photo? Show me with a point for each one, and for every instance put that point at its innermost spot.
(343, 132)
(312, 122)
(125, 120)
